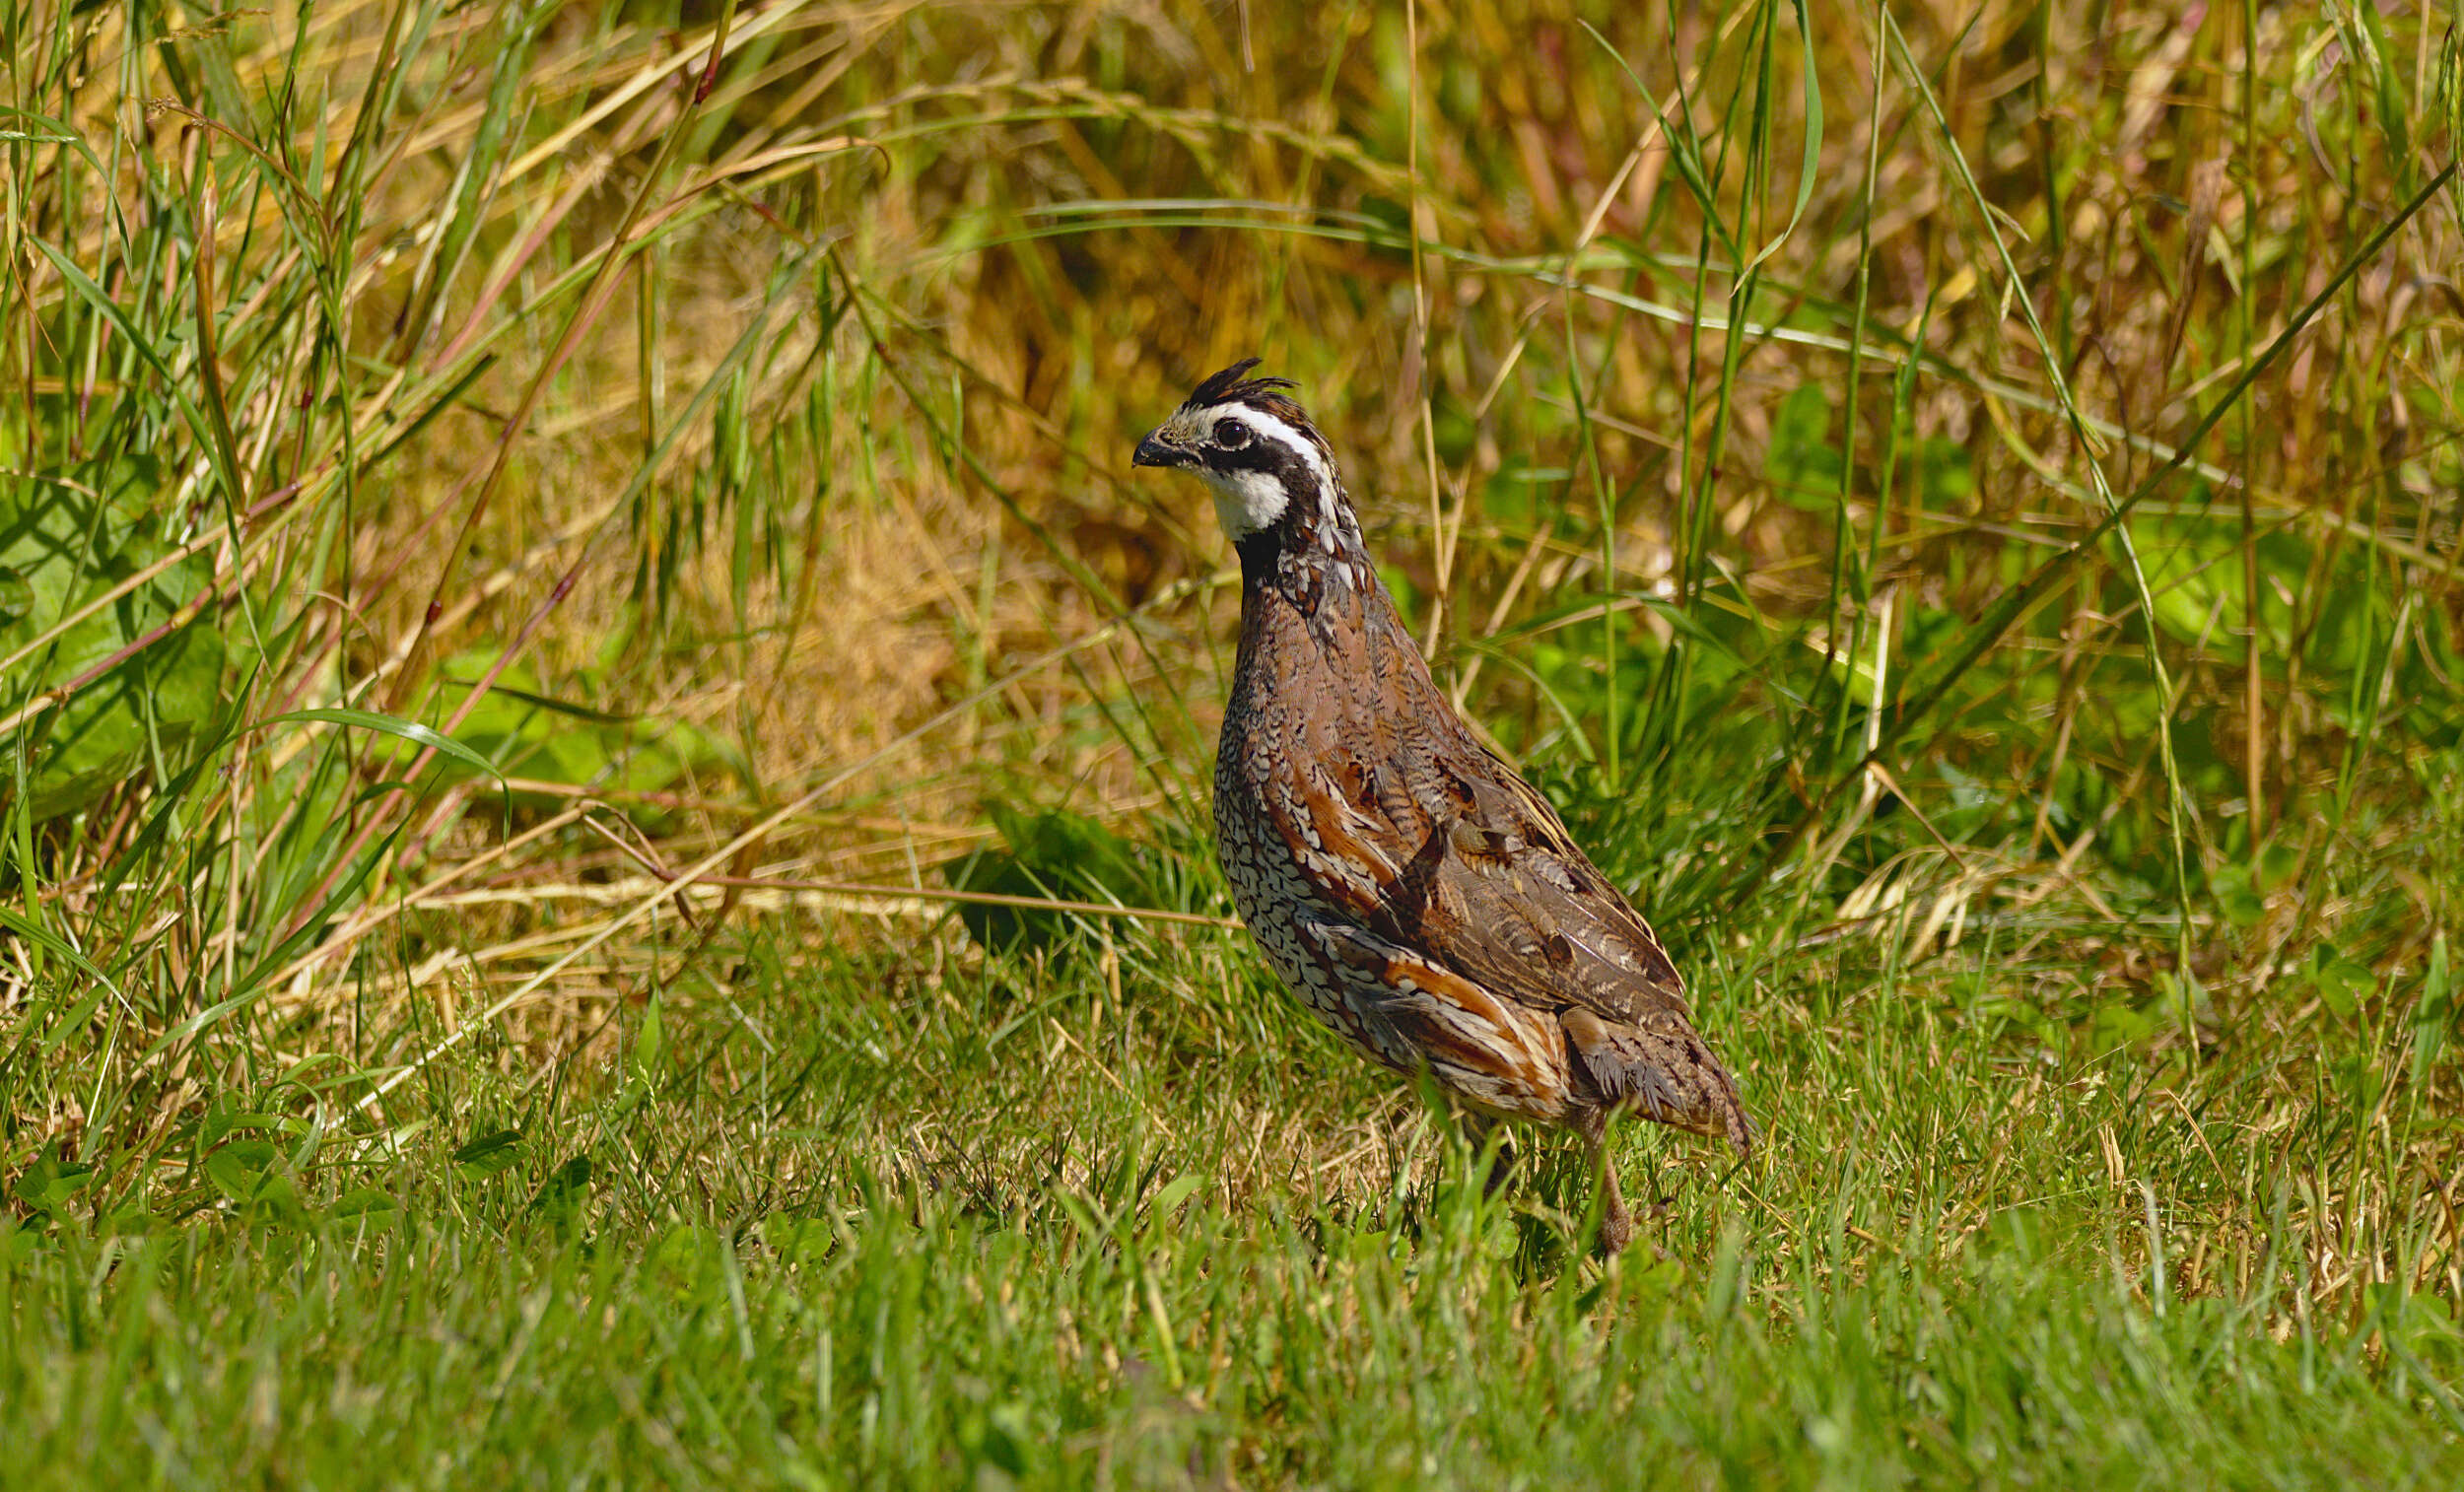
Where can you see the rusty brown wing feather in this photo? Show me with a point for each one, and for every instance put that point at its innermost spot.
(1402, 821)
(1432, 842)
(1474, 872)
(1512, 903)
(1492, 885)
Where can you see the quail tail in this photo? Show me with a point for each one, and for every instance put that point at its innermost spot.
(1661, 1069)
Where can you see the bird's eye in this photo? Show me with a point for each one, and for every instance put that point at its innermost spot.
(1231, 435)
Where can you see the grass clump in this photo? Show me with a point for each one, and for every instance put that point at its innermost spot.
(605, 823)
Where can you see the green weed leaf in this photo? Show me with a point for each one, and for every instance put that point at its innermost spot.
(490, 1153)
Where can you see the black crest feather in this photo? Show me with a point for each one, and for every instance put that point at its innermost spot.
(1232, 386)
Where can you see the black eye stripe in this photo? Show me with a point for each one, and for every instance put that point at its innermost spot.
(1265, 455)
(1237, 445)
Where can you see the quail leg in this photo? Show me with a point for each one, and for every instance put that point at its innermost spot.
(1476, 1128)
(1616, 1225)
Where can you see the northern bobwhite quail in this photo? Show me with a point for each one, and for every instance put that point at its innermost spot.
(1407, 884)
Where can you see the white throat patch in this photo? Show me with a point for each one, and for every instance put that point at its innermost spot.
(1246, 501)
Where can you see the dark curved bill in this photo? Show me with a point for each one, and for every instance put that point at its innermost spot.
(1153, 452)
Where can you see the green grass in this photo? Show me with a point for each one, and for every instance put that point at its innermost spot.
(871, 1231)
(604, 872)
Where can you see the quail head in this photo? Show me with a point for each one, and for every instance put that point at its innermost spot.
(1408, 885)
